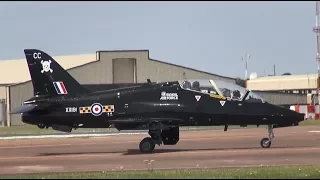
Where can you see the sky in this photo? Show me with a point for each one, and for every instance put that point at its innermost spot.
(209, 36)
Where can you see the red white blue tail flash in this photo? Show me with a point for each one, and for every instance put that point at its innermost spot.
(60, 88)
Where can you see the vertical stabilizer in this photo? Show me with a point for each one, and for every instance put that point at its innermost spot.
(48, 77)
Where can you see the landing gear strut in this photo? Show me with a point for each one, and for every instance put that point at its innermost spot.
(159, 134)
(266, 142)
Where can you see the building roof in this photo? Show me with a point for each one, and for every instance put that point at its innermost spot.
(16, 71)
(171, 64)
(217, 75)
(285, 77)
(285, 82)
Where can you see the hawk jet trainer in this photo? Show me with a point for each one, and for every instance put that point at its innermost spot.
(62, 103)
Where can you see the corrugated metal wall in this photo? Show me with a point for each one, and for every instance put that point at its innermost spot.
(139, 56)
(124, 70)
(92, 73)
(281, 84)
(158, 71)
(3, 112)
(313, 99)
(18, 94)
(279, 98)
(3, 92)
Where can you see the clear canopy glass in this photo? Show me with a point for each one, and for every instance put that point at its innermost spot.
(230, 91)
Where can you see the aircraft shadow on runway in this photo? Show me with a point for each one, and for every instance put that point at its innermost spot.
(158, 151)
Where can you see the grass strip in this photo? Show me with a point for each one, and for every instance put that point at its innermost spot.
(263, 172)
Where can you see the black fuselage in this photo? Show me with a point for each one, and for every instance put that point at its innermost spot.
(135, 107)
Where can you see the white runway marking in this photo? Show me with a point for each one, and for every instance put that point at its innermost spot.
(314, 131)
(66, 136)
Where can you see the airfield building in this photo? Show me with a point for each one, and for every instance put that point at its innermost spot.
(299, 89)
(299, 84)
(102, 67)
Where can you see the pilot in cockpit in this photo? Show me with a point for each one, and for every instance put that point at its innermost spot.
(226, 93)
(196, 86)
(236, 94)
(186, 85)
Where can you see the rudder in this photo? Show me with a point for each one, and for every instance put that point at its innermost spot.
(48, 77)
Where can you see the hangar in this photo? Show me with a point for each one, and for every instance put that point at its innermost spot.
(295, 89)
(302, 84)
(102, 67)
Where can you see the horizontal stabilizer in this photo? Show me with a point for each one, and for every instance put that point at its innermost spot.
(24, 109)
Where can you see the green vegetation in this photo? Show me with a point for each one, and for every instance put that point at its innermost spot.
(310, 123)
(29, 129)
(33, 130)
(271, 172)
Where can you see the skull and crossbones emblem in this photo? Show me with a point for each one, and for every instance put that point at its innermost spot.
(46, 66)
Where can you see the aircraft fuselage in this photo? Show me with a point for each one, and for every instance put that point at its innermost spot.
(134, 107)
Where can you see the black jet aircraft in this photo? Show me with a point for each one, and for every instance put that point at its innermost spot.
(62, 103)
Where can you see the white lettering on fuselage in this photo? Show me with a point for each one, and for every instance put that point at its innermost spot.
(71, 109)
(168, 96)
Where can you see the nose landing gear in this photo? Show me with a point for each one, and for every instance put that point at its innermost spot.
(266, 142)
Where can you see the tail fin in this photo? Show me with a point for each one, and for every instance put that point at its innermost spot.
(48, 77)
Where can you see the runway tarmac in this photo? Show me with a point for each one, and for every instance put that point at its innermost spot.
(196, 149)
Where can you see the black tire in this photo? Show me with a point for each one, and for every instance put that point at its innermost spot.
(146, 145)
(41, 126)
(264, 143)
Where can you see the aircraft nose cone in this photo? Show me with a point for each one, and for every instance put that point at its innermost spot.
(298, 116)
(292, 116)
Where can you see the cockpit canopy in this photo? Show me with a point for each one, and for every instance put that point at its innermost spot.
(220, 88)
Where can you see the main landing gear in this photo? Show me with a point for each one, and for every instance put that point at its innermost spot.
(147, 145)
(266, 142)
(159, 135)
(42, 126)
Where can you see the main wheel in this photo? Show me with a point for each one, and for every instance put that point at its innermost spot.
(264, 143)
(41, 126)
(146, 145)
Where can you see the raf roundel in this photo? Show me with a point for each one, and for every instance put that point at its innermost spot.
(96, 109)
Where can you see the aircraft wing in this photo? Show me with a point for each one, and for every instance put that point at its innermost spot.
(144, 120)
(23, 109)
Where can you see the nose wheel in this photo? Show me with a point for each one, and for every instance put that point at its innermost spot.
(266, 142)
